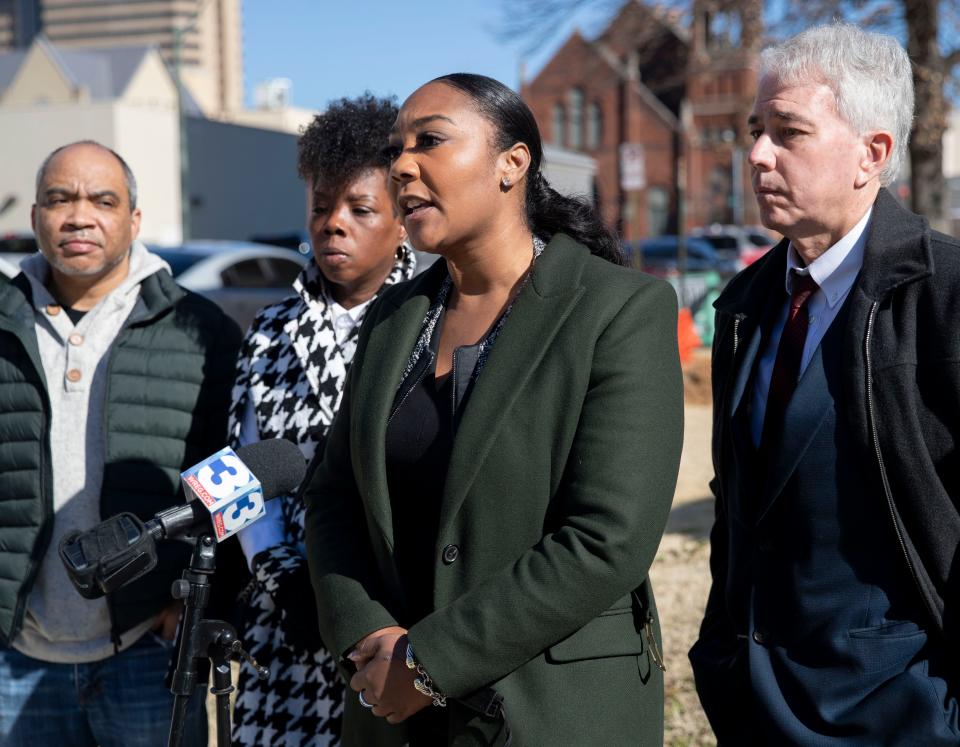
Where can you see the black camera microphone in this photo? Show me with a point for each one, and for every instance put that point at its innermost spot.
(225, 492)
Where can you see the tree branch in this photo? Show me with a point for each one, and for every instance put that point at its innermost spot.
(951, 60)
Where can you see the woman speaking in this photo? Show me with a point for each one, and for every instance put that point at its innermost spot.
(500, 472)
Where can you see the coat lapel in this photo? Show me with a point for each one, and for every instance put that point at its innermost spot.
(537, 315)
(743, 448)
(807, 409)
(809, 406)
(392, 338)
(744, 370)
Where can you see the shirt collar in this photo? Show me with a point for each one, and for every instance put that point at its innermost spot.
(355, 312)
(837, 268)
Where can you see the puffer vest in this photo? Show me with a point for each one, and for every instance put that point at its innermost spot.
(170, 374)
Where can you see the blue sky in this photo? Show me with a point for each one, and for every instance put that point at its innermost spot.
(333, 48)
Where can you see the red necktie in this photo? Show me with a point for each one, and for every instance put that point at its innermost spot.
(786, 368)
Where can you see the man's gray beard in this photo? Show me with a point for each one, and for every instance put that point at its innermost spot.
(56, 263)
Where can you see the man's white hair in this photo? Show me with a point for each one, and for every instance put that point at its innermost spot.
(869, 75)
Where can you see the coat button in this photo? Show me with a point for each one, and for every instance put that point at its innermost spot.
(75, 339)
(74, 375)
(450, 554)
(53, 309)
(760, 637)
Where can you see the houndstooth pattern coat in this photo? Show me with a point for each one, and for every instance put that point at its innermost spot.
(291, 372)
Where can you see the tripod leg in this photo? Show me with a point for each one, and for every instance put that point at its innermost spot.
(222, 687)
(179, 717)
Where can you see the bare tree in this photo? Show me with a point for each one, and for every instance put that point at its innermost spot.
(930, 30)
(536, 22)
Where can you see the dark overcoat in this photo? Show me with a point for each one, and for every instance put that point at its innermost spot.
(901, 385)
(560, 481)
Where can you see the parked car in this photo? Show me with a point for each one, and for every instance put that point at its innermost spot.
(17, 243)
(7, 268)
(15, 247)
(659, 256)
(746, 243)
(241, 277)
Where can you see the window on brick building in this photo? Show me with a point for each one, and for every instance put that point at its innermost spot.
(576, 118)
(594, 126)
(559, 124)
(658, 210)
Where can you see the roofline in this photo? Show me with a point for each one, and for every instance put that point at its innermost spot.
(41, 40)
(645, 93)
(607, 55)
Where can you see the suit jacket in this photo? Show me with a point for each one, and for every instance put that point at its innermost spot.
(560, 482)
(901, 387)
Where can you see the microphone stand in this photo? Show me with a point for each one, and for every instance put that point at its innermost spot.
(204, 639)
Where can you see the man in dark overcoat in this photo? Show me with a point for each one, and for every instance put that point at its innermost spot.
(836, 380)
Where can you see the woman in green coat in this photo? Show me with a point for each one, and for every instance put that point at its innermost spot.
(501, 469)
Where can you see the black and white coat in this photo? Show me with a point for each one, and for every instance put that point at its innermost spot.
(290, 374)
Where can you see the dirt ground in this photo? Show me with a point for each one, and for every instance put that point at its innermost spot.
(681, 574)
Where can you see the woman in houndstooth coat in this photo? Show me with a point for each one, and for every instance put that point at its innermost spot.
(291, 372)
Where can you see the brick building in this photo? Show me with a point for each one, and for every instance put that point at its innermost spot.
(663, 109)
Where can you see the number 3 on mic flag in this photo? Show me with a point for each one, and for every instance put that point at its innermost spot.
(228, 490)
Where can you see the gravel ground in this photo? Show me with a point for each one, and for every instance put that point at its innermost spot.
(681, 573)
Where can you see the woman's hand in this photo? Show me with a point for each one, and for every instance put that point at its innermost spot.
(383, 677)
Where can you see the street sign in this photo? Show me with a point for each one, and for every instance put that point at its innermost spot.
(633, 172)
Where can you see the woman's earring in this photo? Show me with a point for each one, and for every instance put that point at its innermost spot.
(401, 251)
(505, 183)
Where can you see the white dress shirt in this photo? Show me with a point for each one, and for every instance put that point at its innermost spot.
(835, 272)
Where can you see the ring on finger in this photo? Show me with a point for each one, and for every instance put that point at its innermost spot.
(363, 700)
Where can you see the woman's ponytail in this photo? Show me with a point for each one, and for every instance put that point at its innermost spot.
(549, 213)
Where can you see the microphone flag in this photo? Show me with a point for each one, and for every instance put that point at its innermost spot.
(227, 489)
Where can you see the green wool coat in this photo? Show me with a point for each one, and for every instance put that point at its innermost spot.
(560, 483)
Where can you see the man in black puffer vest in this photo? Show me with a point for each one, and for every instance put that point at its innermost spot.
(113, 379)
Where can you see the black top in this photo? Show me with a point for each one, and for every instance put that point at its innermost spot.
(418, 444)
(75, 314)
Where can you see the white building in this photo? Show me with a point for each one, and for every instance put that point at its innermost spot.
(123, 98)
(243, 177)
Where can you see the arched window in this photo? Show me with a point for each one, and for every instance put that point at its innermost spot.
(576, 118)
(594, 126)
(559, 124)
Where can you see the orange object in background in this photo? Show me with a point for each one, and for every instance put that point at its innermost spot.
(687, 337)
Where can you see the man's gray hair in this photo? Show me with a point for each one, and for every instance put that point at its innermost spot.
(869, 75)
(128, 176)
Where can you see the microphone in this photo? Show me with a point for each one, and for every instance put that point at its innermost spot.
(225, 493)
(227, 490)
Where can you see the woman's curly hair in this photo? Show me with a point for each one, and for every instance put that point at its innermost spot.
(346, 140)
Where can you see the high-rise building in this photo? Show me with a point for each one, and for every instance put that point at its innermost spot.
(211, 52)
(19, 23)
